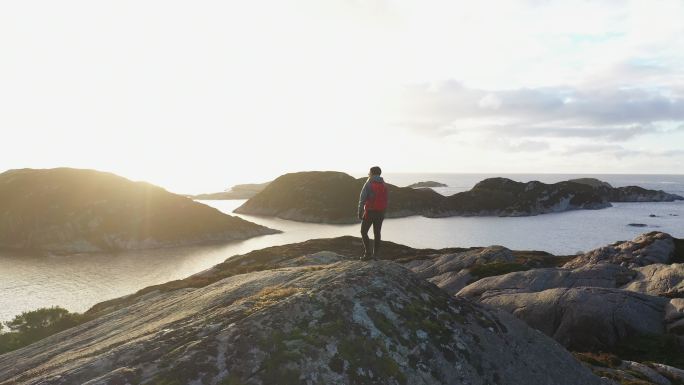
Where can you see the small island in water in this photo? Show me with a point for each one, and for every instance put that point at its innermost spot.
(427, 184)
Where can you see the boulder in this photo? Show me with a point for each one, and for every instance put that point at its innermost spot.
(646, 249)
(658, 279)
(607, 276)
(584, 318)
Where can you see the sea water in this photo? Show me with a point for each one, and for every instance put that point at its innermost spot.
(78, 281)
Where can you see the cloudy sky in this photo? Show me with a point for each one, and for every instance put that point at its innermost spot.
(198, 95)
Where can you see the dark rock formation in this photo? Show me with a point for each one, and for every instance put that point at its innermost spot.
(329, 197)
(640, 194)
(593, 182)
(628, 193)
(427, 184)
(239, 191)
(504, 197)
(70, 210)
(340, 323)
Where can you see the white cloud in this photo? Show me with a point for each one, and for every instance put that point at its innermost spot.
(160, 89)
(490, 101)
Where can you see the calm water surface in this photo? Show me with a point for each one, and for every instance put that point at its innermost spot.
(79, 281)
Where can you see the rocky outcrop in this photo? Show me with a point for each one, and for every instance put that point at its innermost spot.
(646, 249)
(628, 193)
(640, 194)
(658, 279)
(239, 191)
(426, 184)
(606, 276)
(454, 271)
(505, 197)
(67, 210)
(329, 197)
(332, 197)
(346, 322)
(599, 299)
(584, 318)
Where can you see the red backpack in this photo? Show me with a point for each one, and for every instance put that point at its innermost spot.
(377, 201)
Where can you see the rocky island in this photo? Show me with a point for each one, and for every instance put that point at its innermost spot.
(309, 313)
(427, 184)
(67, 210)
(505, 197)
(331, 197)
(628, 193)
(239, 191)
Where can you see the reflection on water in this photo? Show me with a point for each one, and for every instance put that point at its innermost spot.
(79, 281)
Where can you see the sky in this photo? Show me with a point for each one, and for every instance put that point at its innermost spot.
(196, 96)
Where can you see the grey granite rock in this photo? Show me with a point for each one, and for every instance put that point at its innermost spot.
(347, 322)
(646, 249)
(585, 318)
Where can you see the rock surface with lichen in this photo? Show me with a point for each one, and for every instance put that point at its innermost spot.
(344, 322)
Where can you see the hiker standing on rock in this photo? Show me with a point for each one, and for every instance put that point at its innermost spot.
(372, 205)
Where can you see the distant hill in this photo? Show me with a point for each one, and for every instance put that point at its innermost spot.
(239, 191)
(75, 210)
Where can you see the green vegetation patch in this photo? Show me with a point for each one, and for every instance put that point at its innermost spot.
(679, 251)
(31, 326)
(496, 268)
(362, 356)
(662, 348)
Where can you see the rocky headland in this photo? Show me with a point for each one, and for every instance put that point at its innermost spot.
(628, 193)
(331, 197)
(311, 313)
(67, 210)
(239, 191)
(505, 197)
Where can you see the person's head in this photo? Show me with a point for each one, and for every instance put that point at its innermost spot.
(375, 170)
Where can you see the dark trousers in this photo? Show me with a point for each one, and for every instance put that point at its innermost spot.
(374, 218)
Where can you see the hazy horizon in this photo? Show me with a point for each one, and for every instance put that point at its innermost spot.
(198, 97)
(404, 178)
